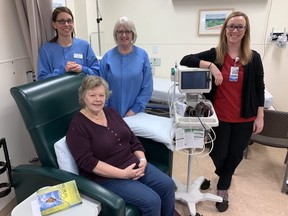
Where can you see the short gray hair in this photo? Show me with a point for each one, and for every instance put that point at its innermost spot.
(128, 24)
(89, 82)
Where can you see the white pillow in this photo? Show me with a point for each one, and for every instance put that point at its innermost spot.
(153, 127)
(64, 158)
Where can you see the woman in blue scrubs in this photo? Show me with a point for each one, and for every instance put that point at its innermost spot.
(65, 53)
(127, 69)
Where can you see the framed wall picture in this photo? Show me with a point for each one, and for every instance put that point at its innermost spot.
(211, 21)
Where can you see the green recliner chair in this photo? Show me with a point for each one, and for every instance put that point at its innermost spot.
(47, 108)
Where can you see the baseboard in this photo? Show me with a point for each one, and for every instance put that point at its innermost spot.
(8, 208)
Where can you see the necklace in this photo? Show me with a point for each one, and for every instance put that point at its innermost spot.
(98, 119)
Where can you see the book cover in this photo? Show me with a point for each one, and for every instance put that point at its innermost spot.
(58, 197)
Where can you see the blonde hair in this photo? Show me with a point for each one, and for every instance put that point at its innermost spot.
(89, 82)
(128, 24)
(222, 48)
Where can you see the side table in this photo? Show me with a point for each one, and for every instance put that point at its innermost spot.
(88, 208)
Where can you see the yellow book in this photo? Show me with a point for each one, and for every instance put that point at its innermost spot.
(58, 197)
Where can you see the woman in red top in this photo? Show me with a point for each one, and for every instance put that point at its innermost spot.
(237, 95)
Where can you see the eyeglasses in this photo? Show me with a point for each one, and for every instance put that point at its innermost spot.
(127, 32)
(239, 28)
(63, 21)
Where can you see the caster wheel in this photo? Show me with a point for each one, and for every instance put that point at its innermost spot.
(197, 214)
(222, 206)
(205, 185)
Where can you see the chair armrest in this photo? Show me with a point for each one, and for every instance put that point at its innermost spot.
(29, 178)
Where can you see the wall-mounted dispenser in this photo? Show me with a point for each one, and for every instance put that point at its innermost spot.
(280, 38)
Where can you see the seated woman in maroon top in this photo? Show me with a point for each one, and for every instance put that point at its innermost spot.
(108, 153)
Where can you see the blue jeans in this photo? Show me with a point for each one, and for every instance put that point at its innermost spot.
(153, 194)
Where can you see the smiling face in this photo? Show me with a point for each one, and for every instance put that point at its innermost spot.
(235, 29)
(124, 36)
(64, 24)
(124, 33)
(94, 99)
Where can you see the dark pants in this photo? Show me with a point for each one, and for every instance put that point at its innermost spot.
(231, 141)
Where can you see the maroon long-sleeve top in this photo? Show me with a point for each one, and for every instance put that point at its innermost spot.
(90, 142)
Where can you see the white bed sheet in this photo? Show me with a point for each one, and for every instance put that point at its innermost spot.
(162, 88)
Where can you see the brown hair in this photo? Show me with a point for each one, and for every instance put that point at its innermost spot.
(222, 48)
(55, 14)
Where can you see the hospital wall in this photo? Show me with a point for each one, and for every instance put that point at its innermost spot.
(168, 29)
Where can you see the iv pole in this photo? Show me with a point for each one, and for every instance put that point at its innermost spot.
(99, 19)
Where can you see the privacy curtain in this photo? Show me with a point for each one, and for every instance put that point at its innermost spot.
(35, 20)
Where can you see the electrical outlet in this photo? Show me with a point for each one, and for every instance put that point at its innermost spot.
(155, 61)
(153, 70)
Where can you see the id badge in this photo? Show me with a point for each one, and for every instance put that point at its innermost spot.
(78, 56)
(234, 71)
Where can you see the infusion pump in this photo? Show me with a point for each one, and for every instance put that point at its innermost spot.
(192, 83)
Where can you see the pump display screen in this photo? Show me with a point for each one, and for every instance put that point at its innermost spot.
(194, 81)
